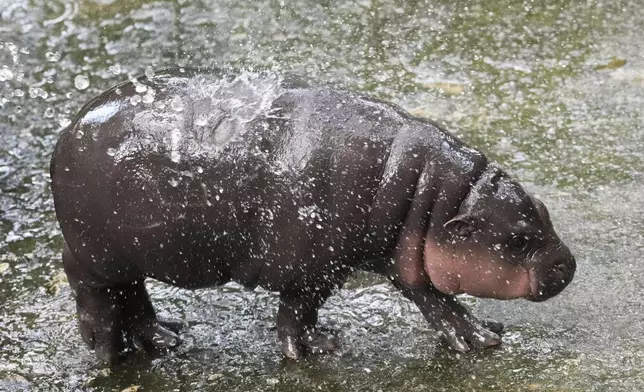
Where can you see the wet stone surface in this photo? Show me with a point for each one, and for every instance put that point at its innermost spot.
(554, 92)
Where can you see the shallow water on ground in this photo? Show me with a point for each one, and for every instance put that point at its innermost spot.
(554, 92)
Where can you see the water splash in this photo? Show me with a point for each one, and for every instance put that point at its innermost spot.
(81, 82)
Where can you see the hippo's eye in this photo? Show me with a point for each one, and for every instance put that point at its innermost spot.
(518, 242)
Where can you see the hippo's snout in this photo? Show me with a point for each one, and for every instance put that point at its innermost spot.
(546, 283)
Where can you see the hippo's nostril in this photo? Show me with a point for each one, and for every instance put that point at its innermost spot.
(565, 270)
(562, 269)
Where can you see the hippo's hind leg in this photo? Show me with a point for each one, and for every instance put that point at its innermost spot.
(297, 324)
(143, 330)
(110, 313)
(98, 310)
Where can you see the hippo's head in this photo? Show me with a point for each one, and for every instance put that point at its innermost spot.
(501, 244)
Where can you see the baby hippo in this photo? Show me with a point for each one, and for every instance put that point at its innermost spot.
(199, 178)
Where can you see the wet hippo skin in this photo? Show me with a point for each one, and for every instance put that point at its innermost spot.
(198, 178)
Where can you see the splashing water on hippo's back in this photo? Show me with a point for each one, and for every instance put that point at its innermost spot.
(200, 115)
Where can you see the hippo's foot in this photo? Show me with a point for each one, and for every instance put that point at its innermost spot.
(317, 341)
(99, 317)
(463, 333)
(296, 325)
(456, 326)
(141, 327)
(107, 315)
(152, 335)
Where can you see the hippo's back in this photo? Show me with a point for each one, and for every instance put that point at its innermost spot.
(205, 119)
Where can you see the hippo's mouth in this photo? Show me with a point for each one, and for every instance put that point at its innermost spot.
(536, 291)
(534, 294)
(545, 284)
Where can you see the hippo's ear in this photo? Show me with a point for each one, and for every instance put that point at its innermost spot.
(461, 225)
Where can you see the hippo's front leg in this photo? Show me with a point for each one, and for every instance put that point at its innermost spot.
(455, 324)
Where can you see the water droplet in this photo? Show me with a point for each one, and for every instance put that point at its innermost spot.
(201, 121)
(69, 95)
(52, 56)
(115, 69)
(149, 73)
(135, 99)
(118, 91)
(5, 74)
(140, 88)
(199, 169)
(81, 82)
(49, 113)
(111, 152)
(17, 109)
(66, 169)
(79, 134)
(149, 96)
(175, 156)
(63, 121)
(173, 182)
(35, 92)
(176, 104)
(18, 93)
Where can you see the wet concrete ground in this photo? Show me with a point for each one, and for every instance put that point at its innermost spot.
(554, 92)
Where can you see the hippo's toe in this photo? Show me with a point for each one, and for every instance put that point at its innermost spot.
(154, 336)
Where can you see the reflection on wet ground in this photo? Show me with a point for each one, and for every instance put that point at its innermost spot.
(552, 91)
